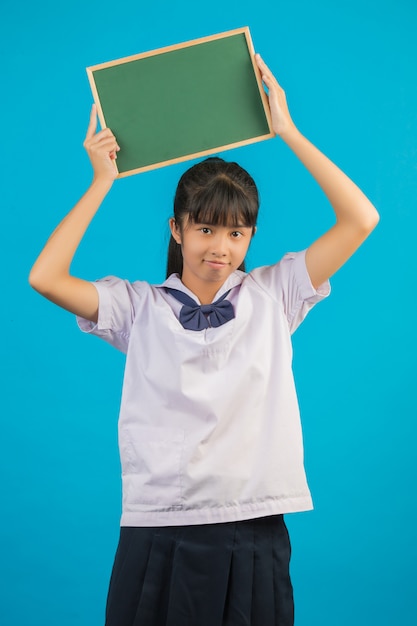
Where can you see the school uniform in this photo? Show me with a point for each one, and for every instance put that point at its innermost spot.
(211, 450)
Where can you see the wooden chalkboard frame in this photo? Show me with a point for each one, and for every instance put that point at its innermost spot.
(114, 97)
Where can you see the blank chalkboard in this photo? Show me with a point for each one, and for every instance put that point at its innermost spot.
(183, 101)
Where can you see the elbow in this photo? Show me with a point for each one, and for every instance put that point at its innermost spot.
(48, 284)
(361, 226)
(372, 220)
(34, 280)
(368, 222)
(38, 281)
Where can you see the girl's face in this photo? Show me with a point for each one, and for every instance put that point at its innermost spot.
(210, 254)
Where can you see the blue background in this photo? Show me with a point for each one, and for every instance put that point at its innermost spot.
(348, 69)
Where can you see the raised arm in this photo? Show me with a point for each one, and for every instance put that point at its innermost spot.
(356, 216)
(50, 275)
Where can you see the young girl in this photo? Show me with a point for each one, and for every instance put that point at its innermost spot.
(209, 430)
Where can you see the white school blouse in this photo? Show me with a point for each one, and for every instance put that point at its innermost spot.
(209, 425)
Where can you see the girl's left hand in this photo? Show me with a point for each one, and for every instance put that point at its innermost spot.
(281, 118)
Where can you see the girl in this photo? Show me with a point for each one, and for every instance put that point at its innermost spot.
(209, 430)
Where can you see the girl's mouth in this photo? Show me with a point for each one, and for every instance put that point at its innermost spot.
(215, 264)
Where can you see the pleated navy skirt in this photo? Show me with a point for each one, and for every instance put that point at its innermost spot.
(231, 574)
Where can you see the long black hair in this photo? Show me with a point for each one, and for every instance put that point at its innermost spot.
(213, 192)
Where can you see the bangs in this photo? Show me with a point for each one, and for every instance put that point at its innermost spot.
(224, 203)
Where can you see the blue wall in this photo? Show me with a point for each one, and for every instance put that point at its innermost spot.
(349, 70)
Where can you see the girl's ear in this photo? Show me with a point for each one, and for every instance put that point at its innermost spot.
(175, 231)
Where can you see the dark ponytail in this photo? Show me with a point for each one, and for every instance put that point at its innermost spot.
(174, 262)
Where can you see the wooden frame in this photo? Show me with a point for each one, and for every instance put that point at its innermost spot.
(225, 108)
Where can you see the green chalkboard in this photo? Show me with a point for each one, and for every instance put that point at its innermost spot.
(182, 101)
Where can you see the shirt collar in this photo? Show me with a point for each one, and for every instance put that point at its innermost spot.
(174, 282)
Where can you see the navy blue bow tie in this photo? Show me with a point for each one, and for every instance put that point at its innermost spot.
(195, 316)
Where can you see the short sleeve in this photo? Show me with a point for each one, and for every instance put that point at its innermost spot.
(289, 282)
(118, 301)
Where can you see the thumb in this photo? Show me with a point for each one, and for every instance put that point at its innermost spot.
(92, 126)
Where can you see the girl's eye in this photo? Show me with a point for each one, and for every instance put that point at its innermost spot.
(205, 230)
(236, 234)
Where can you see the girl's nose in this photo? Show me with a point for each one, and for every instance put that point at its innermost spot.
(218, 250)
(219, 245)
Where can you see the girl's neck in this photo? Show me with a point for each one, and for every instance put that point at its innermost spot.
(205, 292)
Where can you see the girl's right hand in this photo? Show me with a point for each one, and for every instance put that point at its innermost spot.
(102, 150)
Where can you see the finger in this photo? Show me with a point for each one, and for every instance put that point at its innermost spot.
(102, 145)
(264, 70)
(267, 75)
(92, 126)
(108, 143)
(261, 63)
(104, 137)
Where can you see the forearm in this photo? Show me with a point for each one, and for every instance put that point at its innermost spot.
(55, 259)
(349, 203)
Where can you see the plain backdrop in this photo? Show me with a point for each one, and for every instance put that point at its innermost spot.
(348, 69)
